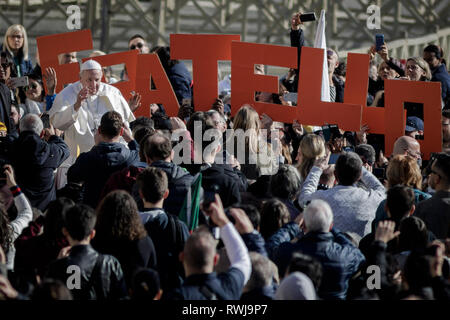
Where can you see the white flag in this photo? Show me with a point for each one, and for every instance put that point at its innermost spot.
(321, 42)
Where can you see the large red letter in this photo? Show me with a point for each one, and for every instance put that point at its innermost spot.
(356, 86)
(50, 47)
(245, 82)
(204, 50)
(150, 67)
(313, 111)
(396, 92)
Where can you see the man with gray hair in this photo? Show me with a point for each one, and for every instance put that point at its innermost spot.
(35, 156)
(260, 286)
(78, 108)
(340, 259)
(353, 207)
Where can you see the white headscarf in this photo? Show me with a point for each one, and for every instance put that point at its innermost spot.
(296, 286)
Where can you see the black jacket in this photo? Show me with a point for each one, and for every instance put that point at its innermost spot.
(95, 166)
(339, 85)
(105, 282)
(180, 180)
(35, 161)
(5, 108)
(169, 241)
(224, 177)
(298, 41)
(131, 254)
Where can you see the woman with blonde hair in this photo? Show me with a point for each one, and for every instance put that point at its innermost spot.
(311, 147)
(16, 44)
(417, 69)
(402, 170)
(249, 146)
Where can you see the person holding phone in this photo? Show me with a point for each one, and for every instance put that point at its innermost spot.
(200, 257)
(35, 96)
(10, 230)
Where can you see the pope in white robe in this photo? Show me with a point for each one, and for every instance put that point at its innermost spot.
(78, 109)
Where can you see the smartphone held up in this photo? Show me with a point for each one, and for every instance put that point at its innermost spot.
(19, 81)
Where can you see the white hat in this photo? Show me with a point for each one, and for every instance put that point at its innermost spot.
(91, 65)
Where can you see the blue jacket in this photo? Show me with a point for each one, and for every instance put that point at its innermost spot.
(225, 286)
(94, 167)
(26, 66)
(181, 81)
(339, 257)
(440, 74)
(255, 242)
(35, 161)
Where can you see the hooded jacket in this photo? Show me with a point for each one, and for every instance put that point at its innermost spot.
(95, 167)
(35, 161)
(179, 182)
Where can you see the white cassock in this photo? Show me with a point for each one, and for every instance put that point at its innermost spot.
(80, 126)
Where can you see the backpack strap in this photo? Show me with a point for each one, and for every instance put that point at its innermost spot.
(209, 294)
(172, 227)
(175, 231)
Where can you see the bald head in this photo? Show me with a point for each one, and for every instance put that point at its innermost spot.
(158, 147)
(406, 145)
(199, 252)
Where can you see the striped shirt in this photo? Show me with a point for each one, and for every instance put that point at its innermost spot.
(332, 93)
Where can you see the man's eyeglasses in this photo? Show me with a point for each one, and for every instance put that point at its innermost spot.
(5, 66)
(139, 45)
(31, 86)
(416, 155)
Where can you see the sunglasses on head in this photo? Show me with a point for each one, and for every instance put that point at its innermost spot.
(139, 45)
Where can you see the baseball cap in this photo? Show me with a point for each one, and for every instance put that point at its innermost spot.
(414, 124)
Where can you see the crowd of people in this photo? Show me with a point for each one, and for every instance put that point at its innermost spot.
(99, 205)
